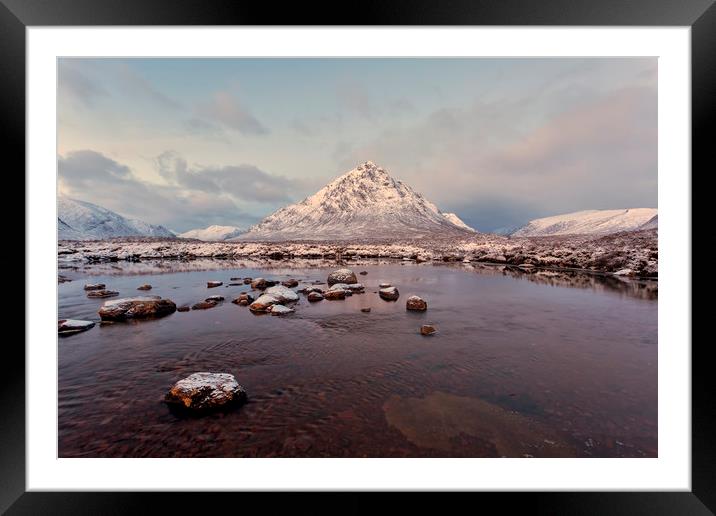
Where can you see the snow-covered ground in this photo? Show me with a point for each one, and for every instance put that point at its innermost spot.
(80, 220)
(364, 203)
(632, 253)
(591, 222)
(213, 233)
(452, 217)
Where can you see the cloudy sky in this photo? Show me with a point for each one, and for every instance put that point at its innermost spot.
(191, 142)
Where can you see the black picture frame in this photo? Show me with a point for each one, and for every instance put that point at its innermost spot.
(17, 15)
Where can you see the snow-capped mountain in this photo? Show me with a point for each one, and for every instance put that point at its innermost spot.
(364, 203)
(452, 217)
(652, 223)
(591, 222)
(80, 220)
(214, 233)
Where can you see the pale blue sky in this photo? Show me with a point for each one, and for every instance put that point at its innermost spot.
(192, 142)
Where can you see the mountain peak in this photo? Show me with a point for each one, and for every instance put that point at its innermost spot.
(363, 203)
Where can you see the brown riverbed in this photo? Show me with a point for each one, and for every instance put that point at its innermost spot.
(539, 364)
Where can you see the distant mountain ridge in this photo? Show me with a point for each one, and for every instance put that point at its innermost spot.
(591, 222)
(364, 203)
(80, 220)
(214, 233)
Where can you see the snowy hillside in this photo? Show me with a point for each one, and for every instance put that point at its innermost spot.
(452, 217)
(591, 222)
(79, 220)
(214, 233)
(364, 203)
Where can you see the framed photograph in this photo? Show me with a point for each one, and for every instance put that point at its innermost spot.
(439, 249)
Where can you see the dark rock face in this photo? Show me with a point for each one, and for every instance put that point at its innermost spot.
(427, 329)
(342, 276)
(201, 392)
(389, 293)
(290, 283)
(314, 296)
(204, 305)
(212, 284)
(102, 293)
(146, 286)
(94, 286)
(136, 308)
(416, 303)
(71, 326)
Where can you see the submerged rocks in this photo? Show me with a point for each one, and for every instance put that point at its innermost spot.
(315, 296)
(212, 284)
(146, 286)
(416, 303)
(283, 294)
(363, 273)
(290, 283)
(263, 303)
(206, 391)
(281, 310)
(342, 276)
(389, 293)
(215, 298)
(365, 310)
(94, 286)
(259, 284)
(102, 293)
(136, 308)
(204, 305)
(427, 329)
(244, 299)
(71, 326)
(183, 308)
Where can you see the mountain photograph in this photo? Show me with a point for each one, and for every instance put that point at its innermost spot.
(357, 258)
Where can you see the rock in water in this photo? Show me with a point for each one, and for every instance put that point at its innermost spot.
(204, 305)
(102, 293)
(72, 326)
(335, 294)
(283, 294)
(146, 286)
(259, 284)
(315, 296)
(365, 310)
(384, 285)
(342, 276)
(215, 298)
(263, 303)
(94, 286)
(389, 293)
(247, 281)
(281, 310)
(427, 329)
(136, 308)
(206, 391)
(363, 273)
(416, 303)
(244, 299)
(184, 308)
(290, 283)
(212, 284)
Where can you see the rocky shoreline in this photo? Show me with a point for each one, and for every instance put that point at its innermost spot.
(632, 254)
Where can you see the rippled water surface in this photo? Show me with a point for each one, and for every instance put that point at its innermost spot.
(541, 364)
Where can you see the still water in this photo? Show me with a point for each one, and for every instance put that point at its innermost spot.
(540, 364)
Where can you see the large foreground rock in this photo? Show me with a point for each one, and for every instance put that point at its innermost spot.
(283, 294)
(136, 308)
(342, 276)
(263, 302)
(205, 391)
(72, 326)
(416, 303)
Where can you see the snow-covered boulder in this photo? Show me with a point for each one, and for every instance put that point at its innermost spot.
(206, 391)
(263, 302)
(342, 276)
(72, 326)
(281, 310)
(389, 293)
(136, 308)
(283, 294)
